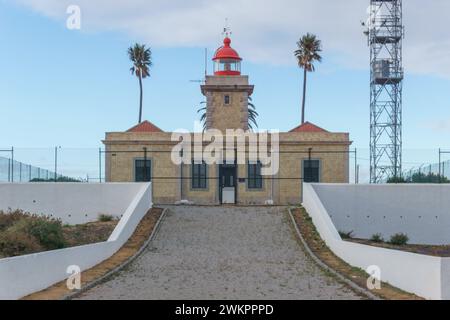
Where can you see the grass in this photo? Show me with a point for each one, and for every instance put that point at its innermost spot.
(24, 233)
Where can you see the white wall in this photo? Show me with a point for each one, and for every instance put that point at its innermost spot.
(23, 275)
(73, 203)
(426, 276)
(420, 211)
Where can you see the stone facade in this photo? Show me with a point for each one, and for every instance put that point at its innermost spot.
(233, 114)
(172, 183)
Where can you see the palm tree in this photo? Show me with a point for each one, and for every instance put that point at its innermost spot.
(307, 53)
(203, 116)
(142, 61)
(252, 114)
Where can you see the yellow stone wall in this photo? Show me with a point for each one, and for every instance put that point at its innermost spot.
(285, 188)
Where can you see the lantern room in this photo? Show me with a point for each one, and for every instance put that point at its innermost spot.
(226, 60)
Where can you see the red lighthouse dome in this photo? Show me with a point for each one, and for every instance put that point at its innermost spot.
(226, 60)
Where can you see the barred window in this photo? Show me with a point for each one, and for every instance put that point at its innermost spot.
(199, 175)
(254, 176)
(142, 170)
(311, 170)
(226, 99)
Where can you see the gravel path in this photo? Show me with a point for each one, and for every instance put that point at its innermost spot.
(223, 253)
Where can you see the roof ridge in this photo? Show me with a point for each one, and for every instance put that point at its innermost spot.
(145, 126)
(308, 127)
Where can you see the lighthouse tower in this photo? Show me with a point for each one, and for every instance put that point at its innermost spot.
(227, 91)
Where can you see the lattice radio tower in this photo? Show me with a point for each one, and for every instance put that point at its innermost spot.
(385, 33)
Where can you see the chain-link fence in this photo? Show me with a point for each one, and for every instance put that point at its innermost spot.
(88, 164)
(50, 164)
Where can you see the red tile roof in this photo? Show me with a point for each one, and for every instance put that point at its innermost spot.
(145, 126)
(308, 127)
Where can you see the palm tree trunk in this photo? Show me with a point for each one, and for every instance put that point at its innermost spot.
(304, 95)
(140, 104)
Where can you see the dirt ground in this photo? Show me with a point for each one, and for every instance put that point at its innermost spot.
(436, 251)
(92, 232)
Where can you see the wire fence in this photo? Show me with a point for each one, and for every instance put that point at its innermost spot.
(88, 164)
(16, 171)
(49, 165)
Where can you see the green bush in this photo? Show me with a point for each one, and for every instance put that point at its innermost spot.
(377, 238)
(396, 180)
(346, 235)
(49, 233)
(105, 217)
(399, 239)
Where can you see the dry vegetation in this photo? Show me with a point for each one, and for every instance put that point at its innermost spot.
(24, 233)
(431, 250)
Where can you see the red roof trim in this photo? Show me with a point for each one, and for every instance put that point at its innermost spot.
(308, 127)
(145, 126)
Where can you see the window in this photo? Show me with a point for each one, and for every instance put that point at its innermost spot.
(311, 170)
(254, 176)
(226, 99)
(199, 175)
(142, 170)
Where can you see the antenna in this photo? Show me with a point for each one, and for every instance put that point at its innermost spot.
(206, 69)
(385, 33)
(206, 62)
(227, 30)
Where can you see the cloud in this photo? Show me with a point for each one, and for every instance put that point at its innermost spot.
(438, 126)
(266, 31)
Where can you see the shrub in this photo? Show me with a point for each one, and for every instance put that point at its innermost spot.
(346, 235)
(396, 180)
(399, 239)
(23, 233)
(105, 217)
(377, 238)
(13, 243)
(48, 232)
(10, 217)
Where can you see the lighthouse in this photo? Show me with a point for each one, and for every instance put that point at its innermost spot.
(227, 91)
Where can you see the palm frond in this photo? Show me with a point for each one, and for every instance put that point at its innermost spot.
(141, 57)
(308, 52)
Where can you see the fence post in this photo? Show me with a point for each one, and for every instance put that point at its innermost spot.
(56, 163)
(100, 164)
(9, 170)
(440, 166)
(12, 164)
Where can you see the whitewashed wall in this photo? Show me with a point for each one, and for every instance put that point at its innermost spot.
(73, 203)
(426, 276)
(23, 275)
(420, 211)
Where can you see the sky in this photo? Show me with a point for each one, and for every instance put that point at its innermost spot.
(62, 87)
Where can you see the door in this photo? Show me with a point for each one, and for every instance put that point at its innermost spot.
(227, 184)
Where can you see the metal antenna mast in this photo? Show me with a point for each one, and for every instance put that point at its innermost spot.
(385, 33)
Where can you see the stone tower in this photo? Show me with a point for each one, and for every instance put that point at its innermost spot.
(227, 91)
